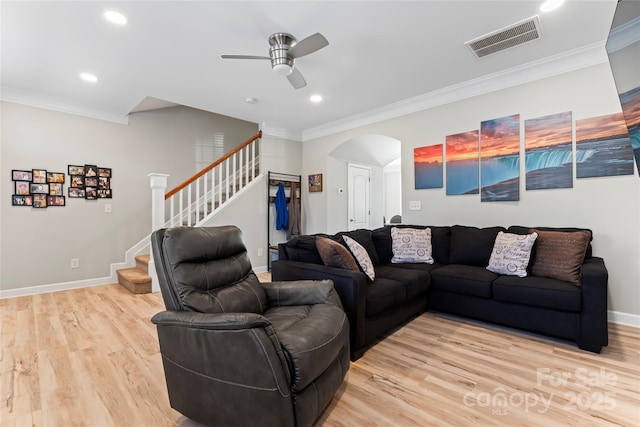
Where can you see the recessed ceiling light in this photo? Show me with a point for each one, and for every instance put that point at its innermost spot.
(115, 17)
(315, 98)
(550, 5)
(88, 77)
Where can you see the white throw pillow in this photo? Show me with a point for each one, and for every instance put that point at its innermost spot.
(511, 253)
(411, 245)
(361, 255)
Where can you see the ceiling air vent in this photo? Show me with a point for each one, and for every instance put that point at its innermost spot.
(507, 37)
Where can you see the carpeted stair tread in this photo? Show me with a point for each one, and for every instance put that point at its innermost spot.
(135, 280)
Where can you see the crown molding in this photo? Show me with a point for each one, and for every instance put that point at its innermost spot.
(624, 35)
(280, 132)
(24, 97)
(548, 67)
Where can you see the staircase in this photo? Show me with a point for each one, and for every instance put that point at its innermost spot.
(196, 201)
(137, 279)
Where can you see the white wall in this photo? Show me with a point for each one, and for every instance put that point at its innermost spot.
(392, 191)
(610, 206)
(38, 244)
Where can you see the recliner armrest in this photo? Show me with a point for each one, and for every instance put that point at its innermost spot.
(301, 292)
(220, 321)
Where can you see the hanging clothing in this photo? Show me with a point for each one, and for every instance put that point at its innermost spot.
(294, 214)
(282, 216)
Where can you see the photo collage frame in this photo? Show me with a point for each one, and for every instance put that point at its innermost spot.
(89, 182)
(37, 188)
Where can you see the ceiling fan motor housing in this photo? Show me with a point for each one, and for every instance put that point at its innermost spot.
(281, 62)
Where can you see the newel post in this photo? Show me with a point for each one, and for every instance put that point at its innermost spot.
(158, 184)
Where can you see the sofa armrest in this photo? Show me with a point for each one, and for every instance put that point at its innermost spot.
(594, 327)
(301, 292)
(350, 285)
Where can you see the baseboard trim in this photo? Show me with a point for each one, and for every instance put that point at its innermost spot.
(624, 318)
(55, 287)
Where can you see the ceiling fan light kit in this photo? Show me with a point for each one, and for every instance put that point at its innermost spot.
(283, 51)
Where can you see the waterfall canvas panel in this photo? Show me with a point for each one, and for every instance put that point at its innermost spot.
(548, 152)
(630, 101)
(427, 162)
(500, 159)
(463, 164)
(603, 147)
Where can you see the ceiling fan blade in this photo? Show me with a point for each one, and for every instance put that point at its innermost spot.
(244, 57)
(309, 45)
(296, 79)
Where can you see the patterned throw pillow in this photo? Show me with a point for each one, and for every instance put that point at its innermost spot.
(511, 253)
(361, 255)
(560, 255)
(411, 245)
(333, 254)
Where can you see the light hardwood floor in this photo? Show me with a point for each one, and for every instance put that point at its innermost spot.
(89, 357)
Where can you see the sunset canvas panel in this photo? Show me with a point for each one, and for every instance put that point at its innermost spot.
(463, 163)
(548, 152)
(603, 147)
(427, 162)
(500, 159)
(630, 101)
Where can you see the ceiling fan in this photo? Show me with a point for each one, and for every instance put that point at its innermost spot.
(283, 52)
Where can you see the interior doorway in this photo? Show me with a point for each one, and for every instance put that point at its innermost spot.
(359, 194)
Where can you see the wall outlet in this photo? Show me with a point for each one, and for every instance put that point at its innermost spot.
(75, 263)
(107, 208)
(260, 252)
(415, 205)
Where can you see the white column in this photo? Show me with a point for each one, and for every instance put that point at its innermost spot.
(158, 184)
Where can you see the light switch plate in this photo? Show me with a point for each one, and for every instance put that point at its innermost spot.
(415, 205)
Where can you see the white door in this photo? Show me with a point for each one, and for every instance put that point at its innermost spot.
(359, 209)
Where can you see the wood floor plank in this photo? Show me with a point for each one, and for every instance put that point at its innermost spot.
(90, 357)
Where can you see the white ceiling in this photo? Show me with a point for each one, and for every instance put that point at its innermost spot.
(381, 54)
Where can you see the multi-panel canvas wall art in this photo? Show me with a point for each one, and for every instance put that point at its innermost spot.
(548, 152)
(427, 162)
(630, 101)
(463, 163)
(500, 159)
(603, 147)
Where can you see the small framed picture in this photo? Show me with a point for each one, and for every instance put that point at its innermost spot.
(90, 182)
(20, 175)
(39, 201)
(104, 182)
(90, 193)
(104, 193)
(77, 181)
(39, 188)
(315, 183)
(55, 200)
(74, 170)
(90, 170)
(57, 177)
(77, 193)
(39, 176)
(55, 189)
(17, 200)
(105, 172)
(22, 187)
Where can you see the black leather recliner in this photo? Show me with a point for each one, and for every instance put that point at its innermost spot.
(237, 352)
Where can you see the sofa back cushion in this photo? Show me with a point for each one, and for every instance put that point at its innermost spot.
(440, 237)
(300, 248)
(472, 245)
(363, 237)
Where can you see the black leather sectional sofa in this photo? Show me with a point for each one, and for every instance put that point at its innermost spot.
(457, 282)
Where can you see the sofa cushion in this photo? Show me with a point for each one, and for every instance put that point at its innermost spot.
(411, 245)
(511, 253)
(472, 245)
(303, 248)
(463, 279)
(334, 254)
(414, 281)
(363, 237)
(538, 291)
(384, 293)
(361, 256)
(559, 255)
(440, 237)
